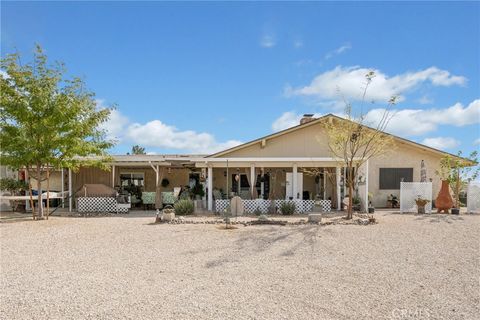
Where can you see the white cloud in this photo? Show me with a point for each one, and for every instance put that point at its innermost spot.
(348, 81)
(287, 120)
(441, 143)
(476, 142)
(157, 134)
(338, 51)
(413, 122)
(425, 100)
(268, 41)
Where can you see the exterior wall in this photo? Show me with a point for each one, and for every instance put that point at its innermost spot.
(55, 182)
(310, 141)
(403, 156)
(177, 177)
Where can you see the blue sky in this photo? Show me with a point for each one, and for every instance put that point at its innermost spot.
(198, 77)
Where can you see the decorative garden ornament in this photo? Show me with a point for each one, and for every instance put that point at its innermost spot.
(444, 201)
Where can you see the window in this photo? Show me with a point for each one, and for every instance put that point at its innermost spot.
(132, 178)
(390, 178)
(243, 182)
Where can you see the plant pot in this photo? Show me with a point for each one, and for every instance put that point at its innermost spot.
(168, 216)
(444, 201)
(371, 210)
(455, 211)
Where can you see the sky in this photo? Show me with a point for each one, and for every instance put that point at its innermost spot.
(201, 77)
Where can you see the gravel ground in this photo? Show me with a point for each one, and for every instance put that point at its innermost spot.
(404, 267)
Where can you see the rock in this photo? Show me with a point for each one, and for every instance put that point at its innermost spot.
(315, 217)
(363, 221)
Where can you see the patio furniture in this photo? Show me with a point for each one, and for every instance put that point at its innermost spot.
(168, 198)
(148, 199)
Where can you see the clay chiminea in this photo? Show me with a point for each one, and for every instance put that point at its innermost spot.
(444, 201)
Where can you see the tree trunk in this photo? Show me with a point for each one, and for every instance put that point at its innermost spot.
(32, 205)
(39, 190)
(350, 198)
(48, 192)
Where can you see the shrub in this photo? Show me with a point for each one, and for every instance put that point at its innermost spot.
(257, 211)
(287, 208)
(184, 207)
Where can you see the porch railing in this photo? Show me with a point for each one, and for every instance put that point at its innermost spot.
(250, 206)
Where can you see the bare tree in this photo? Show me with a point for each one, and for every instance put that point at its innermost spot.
(353, 140)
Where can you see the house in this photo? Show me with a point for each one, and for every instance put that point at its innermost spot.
(295, 163)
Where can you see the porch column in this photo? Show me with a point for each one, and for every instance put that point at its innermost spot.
(252, 180)
(339, 191)
(113, 176)
(324, 184)
(157, 176)
(70, 195)
(210, 188)
(366, 186)
(62, 180)
(295, 182)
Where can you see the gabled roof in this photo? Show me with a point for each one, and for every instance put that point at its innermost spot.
(321, 119)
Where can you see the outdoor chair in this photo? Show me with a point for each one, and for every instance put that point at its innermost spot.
(148, 199)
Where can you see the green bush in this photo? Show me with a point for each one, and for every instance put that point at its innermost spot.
(184, 207)
(287, 208)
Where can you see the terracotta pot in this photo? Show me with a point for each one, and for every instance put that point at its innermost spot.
(444, 201)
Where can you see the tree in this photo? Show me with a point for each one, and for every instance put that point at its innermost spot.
(48, 121)
(458, 172)
(354, 140)
(136, 149)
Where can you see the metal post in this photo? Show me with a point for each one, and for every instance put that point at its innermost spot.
(70, 195)
(366, 187)
(113, 176)
(63, 189)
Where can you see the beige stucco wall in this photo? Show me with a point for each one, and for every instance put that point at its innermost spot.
(403, 156)
(307, 142)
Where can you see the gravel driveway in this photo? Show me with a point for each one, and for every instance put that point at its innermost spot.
(405, 267)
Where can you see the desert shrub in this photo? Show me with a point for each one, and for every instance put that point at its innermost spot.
(257, 211)
(184, 207)
(287, 208)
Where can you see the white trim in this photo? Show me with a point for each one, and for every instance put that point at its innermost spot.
(113, 176)
(271, 159)
(252, 179)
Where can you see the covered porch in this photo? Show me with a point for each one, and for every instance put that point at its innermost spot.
(263, 182)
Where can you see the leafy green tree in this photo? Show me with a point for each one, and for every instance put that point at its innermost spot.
(48, 121)
(136, 149)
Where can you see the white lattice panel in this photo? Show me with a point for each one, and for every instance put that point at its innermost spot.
(221, 205)
(409, 191)
(96, 204)
(301, 206)
(473, 197)
(252, 205)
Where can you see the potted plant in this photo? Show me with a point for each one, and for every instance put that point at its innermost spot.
(371, 208)
(457, 173)
(421, 203)
(168, 213)
(356, 201)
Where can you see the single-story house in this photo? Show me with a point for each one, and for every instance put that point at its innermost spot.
(295, 163)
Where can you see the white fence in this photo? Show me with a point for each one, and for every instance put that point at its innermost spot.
(473, 197)
(250, 206)
(409, 191)
(100, 204)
